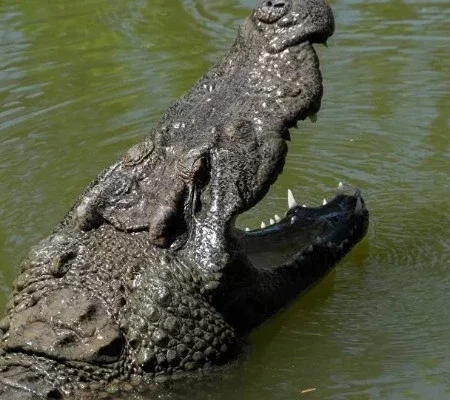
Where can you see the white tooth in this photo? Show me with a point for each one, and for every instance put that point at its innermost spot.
(293, 219)
(272, 221)
(291, 199)
(329, 244)
(277, 218)
(358, 207)
(304, 205)
(247, 229)
(340, 189)
(324, 202)
(263, 225)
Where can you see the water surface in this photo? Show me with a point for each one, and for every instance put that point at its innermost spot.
(81, 81)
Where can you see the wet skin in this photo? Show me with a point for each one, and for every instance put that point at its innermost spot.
(147, 276)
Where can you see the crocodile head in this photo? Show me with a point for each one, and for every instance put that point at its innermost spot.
(217, 151)
(223, 144)
(148, 273)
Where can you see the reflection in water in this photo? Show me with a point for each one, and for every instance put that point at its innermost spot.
(82, 81)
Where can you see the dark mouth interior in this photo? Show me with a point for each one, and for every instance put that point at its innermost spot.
(303, 228)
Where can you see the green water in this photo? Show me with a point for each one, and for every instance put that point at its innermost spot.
(82, 80)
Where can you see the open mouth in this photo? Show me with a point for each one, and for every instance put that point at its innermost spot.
(328, 231)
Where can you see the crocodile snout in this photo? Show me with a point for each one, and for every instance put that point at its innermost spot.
(270, 11)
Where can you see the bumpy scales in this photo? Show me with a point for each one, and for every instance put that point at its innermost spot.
(147, 276)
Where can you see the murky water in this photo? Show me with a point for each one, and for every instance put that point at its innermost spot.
(81, 81)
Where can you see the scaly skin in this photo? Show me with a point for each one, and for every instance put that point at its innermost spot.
(146, 276)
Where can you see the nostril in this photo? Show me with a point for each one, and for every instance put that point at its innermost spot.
(276, 3)
(269, 11)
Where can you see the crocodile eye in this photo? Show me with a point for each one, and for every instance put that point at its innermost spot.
(138, 153)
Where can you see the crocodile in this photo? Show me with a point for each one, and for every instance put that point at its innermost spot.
(148, 277)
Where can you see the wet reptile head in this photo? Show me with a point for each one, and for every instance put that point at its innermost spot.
(218, 149)
(148, 275)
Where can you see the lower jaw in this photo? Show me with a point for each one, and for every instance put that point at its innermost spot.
(333, 228)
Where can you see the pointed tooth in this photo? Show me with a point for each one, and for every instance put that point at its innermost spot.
(358, 207)
(272, 221)
(318, 239)
(277, 218)
(324, 202)
(304, 205)
(309, 249)
(247, 229)
(313, 118)
(293, 219)
(340, 189)
(291, 199)
(263, 225)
